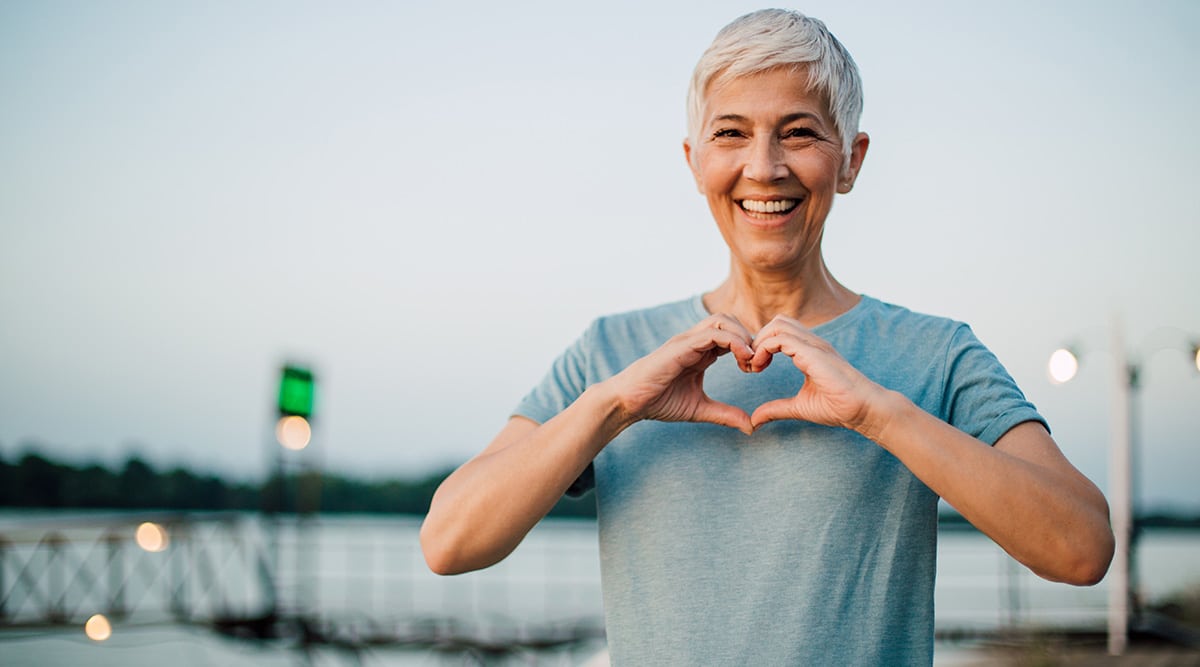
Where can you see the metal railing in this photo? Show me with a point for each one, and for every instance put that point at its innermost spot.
(63, 572)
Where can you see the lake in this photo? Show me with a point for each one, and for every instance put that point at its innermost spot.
(365, 583)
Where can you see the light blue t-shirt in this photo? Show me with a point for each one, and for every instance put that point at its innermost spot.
(798, 545)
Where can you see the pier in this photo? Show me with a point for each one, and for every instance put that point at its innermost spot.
(158, 568)
(273, 579)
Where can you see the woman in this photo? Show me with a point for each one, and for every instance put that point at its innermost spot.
(763, 510)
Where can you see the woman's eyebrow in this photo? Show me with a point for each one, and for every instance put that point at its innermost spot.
(801, 115)
(792, 117)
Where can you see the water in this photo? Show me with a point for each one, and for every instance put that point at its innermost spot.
(365, 578)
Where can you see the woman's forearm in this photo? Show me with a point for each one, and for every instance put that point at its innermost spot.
(1022, 492)
(482, 511)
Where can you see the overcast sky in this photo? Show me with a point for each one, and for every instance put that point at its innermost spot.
(426, 204)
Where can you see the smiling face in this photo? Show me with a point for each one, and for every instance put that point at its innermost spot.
(769, 160)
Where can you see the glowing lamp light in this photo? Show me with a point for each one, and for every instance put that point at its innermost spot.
(152, 537)
(1196, 355)
(1063, 366)
(97, 628)
(293, 432)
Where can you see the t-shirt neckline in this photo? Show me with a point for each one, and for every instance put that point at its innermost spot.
(843, 320)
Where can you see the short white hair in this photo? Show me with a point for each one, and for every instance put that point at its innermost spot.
(773, 38)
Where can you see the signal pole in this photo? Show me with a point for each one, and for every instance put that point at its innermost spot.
(293, 488)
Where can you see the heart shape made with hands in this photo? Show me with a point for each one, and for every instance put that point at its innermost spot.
(834, 393)
(783, 406)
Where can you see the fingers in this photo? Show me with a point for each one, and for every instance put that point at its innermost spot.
(786, 335)
(727, 333)
(724, 322)
(668, 384)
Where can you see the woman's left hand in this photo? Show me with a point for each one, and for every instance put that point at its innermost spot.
(834, 392)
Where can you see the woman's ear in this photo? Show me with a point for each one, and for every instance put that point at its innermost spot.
(858, 153)
(691, 162)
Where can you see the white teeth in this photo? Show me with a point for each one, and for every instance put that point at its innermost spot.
(776, 206)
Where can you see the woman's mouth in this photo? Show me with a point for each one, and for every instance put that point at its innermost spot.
(765, 209)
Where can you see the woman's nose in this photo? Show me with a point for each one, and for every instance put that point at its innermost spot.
(765, 162)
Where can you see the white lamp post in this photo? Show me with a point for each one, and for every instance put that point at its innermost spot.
(1062, 367)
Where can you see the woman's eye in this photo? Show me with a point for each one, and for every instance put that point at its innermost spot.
(726, 133)
(801, 133)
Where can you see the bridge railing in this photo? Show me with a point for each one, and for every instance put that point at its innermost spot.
(63, 572)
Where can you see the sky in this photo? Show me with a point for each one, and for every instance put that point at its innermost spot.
(426, 202)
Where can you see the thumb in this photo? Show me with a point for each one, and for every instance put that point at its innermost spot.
(770, 411)
(724, 414)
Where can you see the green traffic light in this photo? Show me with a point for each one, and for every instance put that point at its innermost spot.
(296, 392)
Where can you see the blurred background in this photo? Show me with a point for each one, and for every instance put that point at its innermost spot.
(424, 203)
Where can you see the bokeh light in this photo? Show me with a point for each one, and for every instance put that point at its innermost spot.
(1063, 366)
(293, 432)
(152, 537)
(97, 628)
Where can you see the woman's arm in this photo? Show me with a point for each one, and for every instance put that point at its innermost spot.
(1023, 493)
(482, 511)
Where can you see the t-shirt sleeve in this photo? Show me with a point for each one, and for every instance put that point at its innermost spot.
(980, 397)
(562, 384)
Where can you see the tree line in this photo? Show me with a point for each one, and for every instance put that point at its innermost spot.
(37, 481)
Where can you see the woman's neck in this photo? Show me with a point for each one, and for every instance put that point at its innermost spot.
(812, 297)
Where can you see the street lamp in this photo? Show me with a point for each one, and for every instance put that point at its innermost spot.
(1063, 365)
(293, 432)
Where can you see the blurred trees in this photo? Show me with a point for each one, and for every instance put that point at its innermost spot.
(37, 482)
(34, 481)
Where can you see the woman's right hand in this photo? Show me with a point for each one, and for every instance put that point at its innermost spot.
(668, 384)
